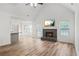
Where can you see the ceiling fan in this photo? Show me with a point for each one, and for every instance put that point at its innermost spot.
(34, 4)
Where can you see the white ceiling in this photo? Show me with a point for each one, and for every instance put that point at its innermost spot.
(71, 6)
(20, 9)
(27, 11)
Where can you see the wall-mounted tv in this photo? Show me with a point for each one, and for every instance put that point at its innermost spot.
(49, 23)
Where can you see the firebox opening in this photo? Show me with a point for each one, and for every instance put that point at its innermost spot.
(49, 34)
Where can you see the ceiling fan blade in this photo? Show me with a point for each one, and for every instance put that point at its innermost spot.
(27, 3)
(40, 3)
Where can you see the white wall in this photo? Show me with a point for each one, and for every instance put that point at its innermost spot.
(60, 13)
(77, 32)
(4, 28)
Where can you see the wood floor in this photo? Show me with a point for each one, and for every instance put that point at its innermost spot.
(36, 47)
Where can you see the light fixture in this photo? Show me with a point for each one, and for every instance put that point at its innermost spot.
(33, 4)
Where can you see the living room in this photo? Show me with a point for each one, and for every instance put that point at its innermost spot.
(30, 27)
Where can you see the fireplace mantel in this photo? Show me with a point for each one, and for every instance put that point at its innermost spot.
(49, 27)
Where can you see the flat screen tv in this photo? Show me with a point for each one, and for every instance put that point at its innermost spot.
(49, 23)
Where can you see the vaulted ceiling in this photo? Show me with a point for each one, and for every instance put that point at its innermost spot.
(20, 10)
(23, 11)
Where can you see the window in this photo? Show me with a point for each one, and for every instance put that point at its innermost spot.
(64, 27)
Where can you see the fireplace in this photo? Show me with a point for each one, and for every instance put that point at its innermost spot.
(49, 34)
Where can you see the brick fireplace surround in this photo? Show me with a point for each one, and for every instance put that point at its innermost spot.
(49, 34)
